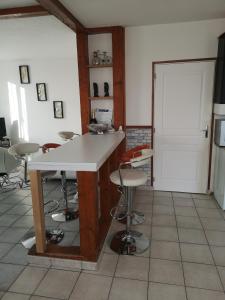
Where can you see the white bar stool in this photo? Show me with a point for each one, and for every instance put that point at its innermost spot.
(128, 241)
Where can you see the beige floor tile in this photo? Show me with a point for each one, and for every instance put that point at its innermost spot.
(27, 282)
(221, 271)
(133, 267)
(181, 195)
(201, 276)
(185, 211)
(205, 203)
(196, 253)
(163, 220)
(107, 265)
(202, 196)
(209, 213)
(124, 289)
(163, 210)
(164, 234)
(213, 224)
(199, 294)
(163, 201)
(219, 255)
(143, 207)
(165, 250)
(13, 296)
(184, 202)
(162, 194)
(216, 238)
(158, 291)
(89, 287)
(188, 222)
(57, 284)
(166, 271)
(187, 235)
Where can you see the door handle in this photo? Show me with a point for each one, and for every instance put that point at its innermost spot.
(206, 131)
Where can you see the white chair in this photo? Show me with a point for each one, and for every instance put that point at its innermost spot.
(7, 164)
(22, 152)
(128, 241)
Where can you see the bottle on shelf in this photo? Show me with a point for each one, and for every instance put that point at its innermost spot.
(93, 119)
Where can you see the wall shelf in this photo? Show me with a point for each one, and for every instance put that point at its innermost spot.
(101, 98)
(100, 66)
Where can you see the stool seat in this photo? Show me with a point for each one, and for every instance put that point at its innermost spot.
(130, 177)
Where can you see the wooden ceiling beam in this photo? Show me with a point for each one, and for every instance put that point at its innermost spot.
(23, 12)
(56, 8)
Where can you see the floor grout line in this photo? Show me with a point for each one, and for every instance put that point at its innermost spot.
(180, 253)
(212, 254)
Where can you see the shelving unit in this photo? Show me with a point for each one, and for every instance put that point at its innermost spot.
(114, 74)
(101, 98)
(100, 66)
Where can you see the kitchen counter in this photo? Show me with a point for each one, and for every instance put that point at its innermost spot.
(85, 153)
(93, 158)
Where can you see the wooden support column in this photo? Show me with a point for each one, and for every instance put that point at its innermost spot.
(88, 210)
(38, 210)
(118, 53)
(105, 197)
(82, 53)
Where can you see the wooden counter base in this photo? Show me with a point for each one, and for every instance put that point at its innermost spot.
(97, 195)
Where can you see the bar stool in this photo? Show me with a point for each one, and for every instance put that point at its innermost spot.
(136, 216)
(67, 214)
(129, 241)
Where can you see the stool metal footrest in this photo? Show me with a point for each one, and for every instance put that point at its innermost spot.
(137, 218)
(129, 243)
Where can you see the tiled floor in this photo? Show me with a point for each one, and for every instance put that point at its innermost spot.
(186, 259)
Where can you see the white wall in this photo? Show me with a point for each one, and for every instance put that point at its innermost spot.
(61, 81)
(146, 44)
(49, 48)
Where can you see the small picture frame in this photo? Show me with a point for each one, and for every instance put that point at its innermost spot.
(58, 109)
(41, 91)
(24, 74)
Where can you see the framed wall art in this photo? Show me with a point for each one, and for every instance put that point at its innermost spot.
(58, 109)
(24, 74)
(41, 91)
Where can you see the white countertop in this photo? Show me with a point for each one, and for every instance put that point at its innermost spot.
(85, 153)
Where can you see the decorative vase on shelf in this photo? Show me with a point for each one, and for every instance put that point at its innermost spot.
(96, 60)
(95, 87)
(106, 89)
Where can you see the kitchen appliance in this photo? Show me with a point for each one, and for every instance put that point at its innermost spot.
(219, 171)
(220, 132)
(219, 83)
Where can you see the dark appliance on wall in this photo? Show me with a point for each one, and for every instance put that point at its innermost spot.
(219, 84)
(2, 128)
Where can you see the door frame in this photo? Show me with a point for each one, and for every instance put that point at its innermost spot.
(154, 64)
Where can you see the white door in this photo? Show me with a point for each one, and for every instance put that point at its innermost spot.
(183, 110)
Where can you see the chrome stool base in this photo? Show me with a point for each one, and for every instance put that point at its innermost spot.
(64, 216)
(129, 243)
(137, 218)
(52, 236)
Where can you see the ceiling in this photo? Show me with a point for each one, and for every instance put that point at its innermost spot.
(36, 38)
(136, 12)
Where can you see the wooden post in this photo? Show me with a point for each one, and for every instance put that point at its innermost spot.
(38, 210)
(88, 210)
